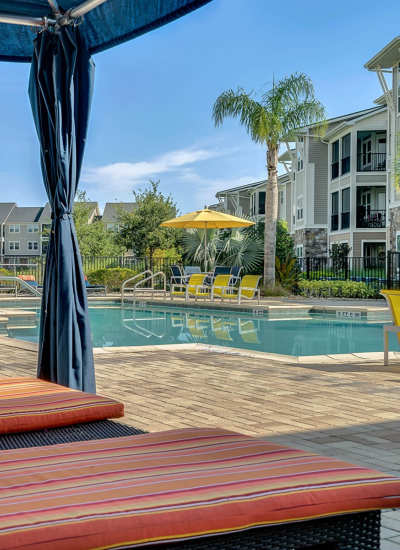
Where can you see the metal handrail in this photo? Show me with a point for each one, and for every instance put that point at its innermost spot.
(151, 288)
(22, 283)
(123, 287)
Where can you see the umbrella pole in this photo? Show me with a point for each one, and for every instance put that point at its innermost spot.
(205, 248)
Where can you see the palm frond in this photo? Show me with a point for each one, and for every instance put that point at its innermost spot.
(249, 112)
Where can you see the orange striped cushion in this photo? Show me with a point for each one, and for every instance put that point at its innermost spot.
(167, 486)
(28, 404)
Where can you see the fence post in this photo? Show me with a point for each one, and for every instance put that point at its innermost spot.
(308, 269)
(389, 266)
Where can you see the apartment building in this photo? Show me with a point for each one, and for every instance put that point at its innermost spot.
(112, 211)
(22, 232)
(386, 65)
(5, 210)
(248, 201)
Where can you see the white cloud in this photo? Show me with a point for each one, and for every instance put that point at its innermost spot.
(121, 176)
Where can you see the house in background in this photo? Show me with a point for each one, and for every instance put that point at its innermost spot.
(45, 222)
(22, 232)
(248, 201)
(5, 210)
(112, 211)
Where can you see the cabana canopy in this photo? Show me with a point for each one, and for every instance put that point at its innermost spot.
(105, 23)
(59, 40)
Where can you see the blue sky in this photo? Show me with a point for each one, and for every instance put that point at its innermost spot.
(151, 115)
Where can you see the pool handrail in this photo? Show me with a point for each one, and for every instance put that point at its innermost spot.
(151, 289)
(22, 283)
(123, 287)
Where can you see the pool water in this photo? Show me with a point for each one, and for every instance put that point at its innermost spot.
(314, 334)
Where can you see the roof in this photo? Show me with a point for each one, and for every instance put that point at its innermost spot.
(352, 121)
(25, 214)
(282, 179)
(113, 209)
(387, 58)
(5, 209)
(341, 118)
(45, 216)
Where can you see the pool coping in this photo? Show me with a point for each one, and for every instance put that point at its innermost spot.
(333, 359)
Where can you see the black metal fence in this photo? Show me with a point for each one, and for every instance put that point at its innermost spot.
(378, 272)
(35, 266)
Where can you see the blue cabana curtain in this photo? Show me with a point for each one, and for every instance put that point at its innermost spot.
(60, 90)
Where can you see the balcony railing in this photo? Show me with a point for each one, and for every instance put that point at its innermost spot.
(345, 220)
(371, 162)
(334, 222)
(371, 219)
(335, 169)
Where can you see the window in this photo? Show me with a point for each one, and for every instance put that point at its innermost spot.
(281, 197)
(300, 208)
(346, 144)
(33, 228)
(345, 222)
(261, 202)
(335, 211)
(335, 159)
(113, 227)
(33, 245)
(14, 228)
(299, 251)
(13, 245)
(300, 154)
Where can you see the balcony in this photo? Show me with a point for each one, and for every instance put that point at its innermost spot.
(371, 162)
(371, 219)
(334, 222)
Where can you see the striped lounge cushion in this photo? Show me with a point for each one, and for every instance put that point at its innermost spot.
(134, 491)
(28, 404)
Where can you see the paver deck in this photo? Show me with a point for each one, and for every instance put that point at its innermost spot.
(350, 411)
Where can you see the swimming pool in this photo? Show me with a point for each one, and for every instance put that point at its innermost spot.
(309, 334)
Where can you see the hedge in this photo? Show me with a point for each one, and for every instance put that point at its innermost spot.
(340, 289)
(111, 277)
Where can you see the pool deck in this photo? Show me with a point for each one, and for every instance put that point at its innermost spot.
(349, 410)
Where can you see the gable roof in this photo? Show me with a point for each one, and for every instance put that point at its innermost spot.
(45, 216)
(5, 209)
(386, 58)
(112, 210)
(282, 179)
(25, 214)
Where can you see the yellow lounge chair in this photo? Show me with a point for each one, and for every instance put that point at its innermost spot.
(392, 298)
(197, 327)
(220, 283)
(248, 289)
(195, 287)
(221, 329)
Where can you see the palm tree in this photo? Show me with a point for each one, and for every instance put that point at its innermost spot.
(289, 105)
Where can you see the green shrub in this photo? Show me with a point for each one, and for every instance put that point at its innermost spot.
(339, 289)
(112, 277)
(276, 290)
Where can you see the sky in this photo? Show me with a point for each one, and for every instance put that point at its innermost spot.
(152, 105)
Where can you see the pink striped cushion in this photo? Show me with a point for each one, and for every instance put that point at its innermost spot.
(28, 404)
(132, 491)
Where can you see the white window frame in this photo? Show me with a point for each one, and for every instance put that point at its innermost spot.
(11, 245)
(300, 208)
(397, 241)
(14, 228)
(33, 228)
(299, 250)
(31, 245)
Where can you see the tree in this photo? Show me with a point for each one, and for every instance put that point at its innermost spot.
(140, 230)
(289, 105)
(93, 238)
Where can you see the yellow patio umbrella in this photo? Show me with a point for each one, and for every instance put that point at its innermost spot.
(207, 219)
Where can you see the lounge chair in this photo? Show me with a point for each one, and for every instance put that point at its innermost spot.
(195, 287)
(94, 288)
(392, 298)
(189, 489)
(218, 270)
(189, 270)
(248, 290)
(235, 274)
(177, 275)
